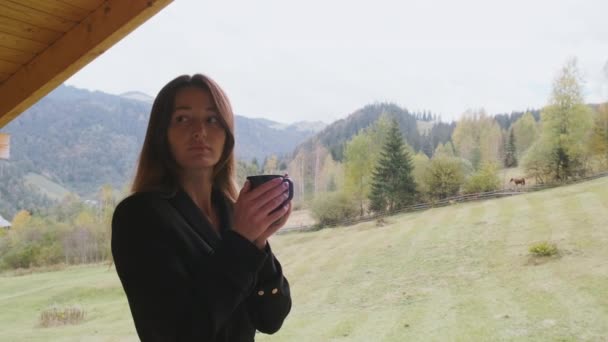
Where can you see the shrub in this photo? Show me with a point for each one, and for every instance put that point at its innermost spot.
(19, 257)
(484, 180)
(421, 163)
(331, 208)
(543, 249)
(537, 162)
(49, 255)
(55, 315)
(443, 177)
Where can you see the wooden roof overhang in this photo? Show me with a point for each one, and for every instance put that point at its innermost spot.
(44, 42)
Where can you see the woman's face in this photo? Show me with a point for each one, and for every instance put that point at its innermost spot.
(196, 135)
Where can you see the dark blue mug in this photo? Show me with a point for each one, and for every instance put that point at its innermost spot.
(261, 179)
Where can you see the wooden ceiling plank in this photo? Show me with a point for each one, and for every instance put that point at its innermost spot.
(90, 5)
(57, 8)
(8, 67)
(38, 18)
(89, 39)
(21, 44)
(26, 30)
(15, 56)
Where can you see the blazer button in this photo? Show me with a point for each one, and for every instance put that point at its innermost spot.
(261, 293)
(275, 291)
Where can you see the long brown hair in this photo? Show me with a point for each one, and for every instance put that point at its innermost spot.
(157, 169)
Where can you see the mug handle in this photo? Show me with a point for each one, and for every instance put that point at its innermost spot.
(290, 188)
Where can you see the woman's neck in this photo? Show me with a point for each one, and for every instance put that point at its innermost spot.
(199, 185)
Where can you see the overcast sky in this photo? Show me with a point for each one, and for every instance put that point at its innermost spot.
(321, 60)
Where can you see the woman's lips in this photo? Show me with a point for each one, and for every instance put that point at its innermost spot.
(200, 148)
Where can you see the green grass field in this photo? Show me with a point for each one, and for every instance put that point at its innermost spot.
(458, 273)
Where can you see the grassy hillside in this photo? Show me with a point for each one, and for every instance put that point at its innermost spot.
(46, 186)
(456, 273)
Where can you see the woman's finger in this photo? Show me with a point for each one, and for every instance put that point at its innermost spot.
(277, 224)
(278, 214)
(272, 203)
(250, 195)
(285, 217)
(245, 188)
(256, 209)
(262, 202)
(271, 188)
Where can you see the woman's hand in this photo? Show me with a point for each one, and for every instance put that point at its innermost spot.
(252, 210)
(260, 242)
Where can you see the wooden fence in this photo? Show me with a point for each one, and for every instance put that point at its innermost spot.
(513, 191)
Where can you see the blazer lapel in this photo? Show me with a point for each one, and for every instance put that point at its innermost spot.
(195, 218)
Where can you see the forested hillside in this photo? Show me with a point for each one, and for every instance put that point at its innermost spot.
(81, 140)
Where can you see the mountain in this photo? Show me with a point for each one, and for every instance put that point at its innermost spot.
(313, 163)
(301, 126)
(139, 96)
(304, 126)
(334, 136)
(259, 138)
(79, 140)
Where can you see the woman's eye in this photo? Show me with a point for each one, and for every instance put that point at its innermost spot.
(181, 118)
(212, 120)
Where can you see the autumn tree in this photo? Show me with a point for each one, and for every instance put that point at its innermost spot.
(599, 137)
(566, 124)
(478, 138)
(421, 163)
(525, 133)
(359, 160)
(445, 150)
(21, 219)
(361, 155)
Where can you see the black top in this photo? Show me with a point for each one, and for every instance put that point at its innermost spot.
(179, 290)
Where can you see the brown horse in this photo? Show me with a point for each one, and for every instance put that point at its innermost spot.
(518, 181)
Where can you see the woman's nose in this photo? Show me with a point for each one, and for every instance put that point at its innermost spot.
(199, 129)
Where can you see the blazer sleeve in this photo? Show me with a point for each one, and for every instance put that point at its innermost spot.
(167, 302)
(270, 302)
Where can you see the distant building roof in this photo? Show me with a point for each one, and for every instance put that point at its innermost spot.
(4, 223)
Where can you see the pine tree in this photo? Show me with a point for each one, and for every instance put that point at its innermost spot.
(510, 151)
(393, 183)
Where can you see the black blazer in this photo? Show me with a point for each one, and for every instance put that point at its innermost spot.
(180, 291)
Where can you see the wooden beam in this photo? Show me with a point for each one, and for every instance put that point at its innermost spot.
(4, 146)
(8, 67)
(89, 39)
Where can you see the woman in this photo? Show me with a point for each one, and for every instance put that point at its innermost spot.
(192, 255)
